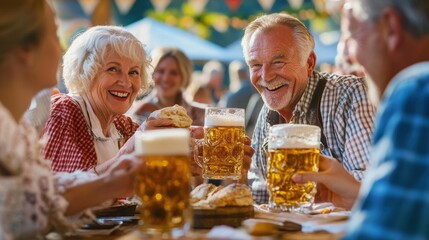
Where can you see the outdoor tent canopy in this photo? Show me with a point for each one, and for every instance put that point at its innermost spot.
(155, 34)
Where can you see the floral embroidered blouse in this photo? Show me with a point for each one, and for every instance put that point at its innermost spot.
(30, 199)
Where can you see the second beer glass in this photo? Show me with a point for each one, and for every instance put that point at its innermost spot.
(292, 148)
(223, 147)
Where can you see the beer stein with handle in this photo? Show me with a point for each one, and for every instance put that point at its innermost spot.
(223, 143)
(292, 148)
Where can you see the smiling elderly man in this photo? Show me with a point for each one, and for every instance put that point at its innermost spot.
(279, 50)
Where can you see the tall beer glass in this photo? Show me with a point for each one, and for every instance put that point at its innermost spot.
(163, 182)
(292, 148)
(223, 143)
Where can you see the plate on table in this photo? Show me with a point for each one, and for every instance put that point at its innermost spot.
(124, 220)
(101, 224)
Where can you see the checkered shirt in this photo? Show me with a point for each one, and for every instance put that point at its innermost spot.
(347, 118)
(70, 145)
(394, 196)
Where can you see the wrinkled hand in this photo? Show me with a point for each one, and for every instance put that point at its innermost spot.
(247, 159)
(122, 174)
(197, 141)
(154, 122)
(335, 184)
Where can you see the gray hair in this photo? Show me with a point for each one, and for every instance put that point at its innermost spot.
(303, 37)
(85, 56)
(414, 13)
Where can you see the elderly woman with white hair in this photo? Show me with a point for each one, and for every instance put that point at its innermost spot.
(104, 69)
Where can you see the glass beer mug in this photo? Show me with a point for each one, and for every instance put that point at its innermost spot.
(292, 148)
(164, 182)
(223, 143)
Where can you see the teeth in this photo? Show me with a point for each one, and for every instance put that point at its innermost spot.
(119, 94)
(274, 87)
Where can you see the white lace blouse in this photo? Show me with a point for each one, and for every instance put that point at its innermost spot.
(30, 200)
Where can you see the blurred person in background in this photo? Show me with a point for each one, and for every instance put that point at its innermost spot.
(32, 199)
(279, 50)
(346, 63)
(214, 74)
(198, 91)
(172, 72)
(239, 97)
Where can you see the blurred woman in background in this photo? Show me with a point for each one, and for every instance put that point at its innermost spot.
(172, 72)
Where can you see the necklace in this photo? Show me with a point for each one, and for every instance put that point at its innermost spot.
(93, 135)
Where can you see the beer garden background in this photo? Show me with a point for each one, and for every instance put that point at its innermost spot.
(217, 23)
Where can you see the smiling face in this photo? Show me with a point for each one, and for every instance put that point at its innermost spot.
(167, 78)
(277, 69)
(115, 86)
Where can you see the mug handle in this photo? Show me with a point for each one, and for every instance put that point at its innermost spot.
(198, 151)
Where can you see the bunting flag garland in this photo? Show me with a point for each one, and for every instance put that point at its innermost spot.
(319, 5)
(266, 4)
(295, 4)
(88, 6)
(160, 5)
(233, 4)
(198, 5)
(124, 6)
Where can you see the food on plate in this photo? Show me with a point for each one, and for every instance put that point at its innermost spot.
(208, 195)
(201, 192)
(178, 114)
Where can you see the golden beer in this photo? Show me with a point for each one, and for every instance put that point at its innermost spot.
(223, 152)
(283, 164)
(223, 148)
(163, 182)
(163, 187)
(292, 148)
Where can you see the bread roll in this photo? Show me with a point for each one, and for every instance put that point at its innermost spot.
(201, 192)
(178, 114)
(235, 194)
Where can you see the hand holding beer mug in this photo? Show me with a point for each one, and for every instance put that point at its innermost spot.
(223, 143)
(292, 148)
(163, 182)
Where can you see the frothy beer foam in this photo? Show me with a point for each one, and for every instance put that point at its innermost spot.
(224, 121)
(162, 142)
(294, 136)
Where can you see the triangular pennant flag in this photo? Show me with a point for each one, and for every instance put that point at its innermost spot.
(160, 5)
(266, 4)
(88, 6)
(295, 4)
(319, 5)
(198, 5)
(233, 4)
(124, 6)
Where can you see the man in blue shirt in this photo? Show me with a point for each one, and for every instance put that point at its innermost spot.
(391, 41)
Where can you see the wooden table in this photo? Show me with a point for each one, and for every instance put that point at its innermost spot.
(131, 233)
(202, 234)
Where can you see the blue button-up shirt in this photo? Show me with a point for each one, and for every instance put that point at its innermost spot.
(394, 198)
